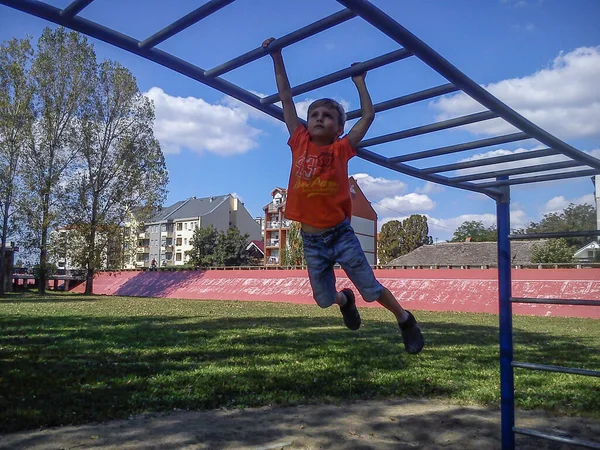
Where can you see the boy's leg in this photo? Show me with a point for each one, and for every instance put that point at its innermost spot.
(322, 280)
(352, 258)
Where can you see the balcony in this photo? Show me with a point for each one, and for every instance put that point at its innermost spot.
(143, 249)
(273, 225)
(144, 235)
(272, 242)
(273, 260)
(273, 208)
(166, 234)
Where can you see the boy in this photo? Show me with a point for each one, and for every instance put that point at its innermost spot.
(319, 198)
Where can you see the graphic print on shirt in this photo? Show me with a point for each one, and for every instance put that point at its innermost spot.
(315, 175)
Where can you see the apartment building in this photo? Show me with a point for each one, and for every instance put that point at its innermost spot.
(166, 237)
(276, 226)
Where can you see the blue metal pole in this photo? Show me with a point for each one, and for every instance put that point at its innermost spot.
(507, 383)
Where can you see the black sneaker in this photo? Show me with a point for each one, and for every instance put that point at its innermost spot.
(349, 311)
(411, 335)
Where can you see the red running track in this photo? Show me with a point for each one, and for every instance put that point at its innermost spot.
(473, 290)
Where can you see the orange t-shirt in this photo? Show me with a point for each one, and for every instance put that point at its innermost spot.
(318, 190)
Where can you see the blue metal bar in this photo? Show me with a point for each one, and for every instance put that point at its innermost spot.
(186, 21)
(356, 69)
(52, 14)
(507, 383)
(412, 171)
(75, 8)
(437, 126)
(491, 161)
(559, 369)
(556, 301)
(394, 30)
(407, 99)
(460, 147)
(558, 234)
(518, 170)
(561, 439)
(289, 39)
(540, 178)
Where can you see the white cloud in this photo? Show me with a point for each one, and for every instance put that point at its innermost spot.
(564, 99)
(430, 188)
(558, 204)
(194, 124)
(404, 204)
(376, 188)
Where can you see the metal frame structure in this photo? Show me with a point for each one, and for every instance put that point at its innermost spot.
(498, 182)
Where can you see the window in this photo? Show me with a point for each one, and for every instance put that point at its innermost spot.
(184, 241)
(179, 226)
(163, 227)
(178, 242)
(177, 256)
(185, 226)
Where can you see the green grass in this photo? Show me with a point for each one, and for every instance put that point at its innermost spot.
(69, 359)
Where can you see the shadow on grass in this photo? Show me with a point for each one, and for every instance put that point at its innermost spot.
(73, 369)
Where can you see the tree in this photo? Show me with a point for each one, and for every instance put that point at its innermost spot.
(573, 218)
(293, 253)
(231, 248)
(476, 231)
(399, 238)
(554, 251)
(416, 233)
(204, 245)
(122, 165)
(389, 242)
(16, 117)
(61, 72)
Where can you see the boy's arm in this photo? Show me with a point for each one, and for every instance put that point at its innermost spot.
(360, 128)
(285, 92)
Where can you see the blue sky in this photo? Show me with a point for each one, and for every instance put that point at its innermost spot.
(541, 57)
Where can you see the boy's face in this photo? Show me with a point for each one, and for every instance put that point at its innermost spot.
(323, 123)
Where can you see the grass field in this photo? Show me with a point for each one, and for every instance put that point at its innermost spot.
(70, 359)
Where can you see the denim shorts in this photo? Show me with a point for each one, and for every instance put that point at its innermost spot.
(338, 244)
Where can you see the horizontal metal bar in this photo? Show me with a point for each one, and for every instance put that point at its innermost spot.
(494, 160)
(407, 99)
(461, 147)
(558, 234)
(556, 301)
(186, 21)
(75, 8)
(561, 439)
(518, 170)
(376, 158)
(559, 369)
(348, 72)
(284, 41)
(401, 35)
(437, 126)
(95, 30)
(540, 178)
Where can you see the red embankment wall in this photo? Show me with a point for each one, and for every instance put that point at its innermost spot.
(473, 290)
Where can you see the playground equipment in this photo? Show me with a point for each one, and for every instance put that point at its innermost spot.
(498, 182)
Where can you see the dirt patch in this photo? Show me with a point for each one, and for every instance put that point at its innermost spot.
(390, 424)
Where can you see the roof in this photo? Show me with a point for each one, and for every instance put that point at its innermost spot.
(465, 254)
(192, 207)
(258, 244)
(593, 245)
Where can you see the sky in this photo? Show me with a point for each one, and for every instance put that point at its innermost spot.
(541, 57)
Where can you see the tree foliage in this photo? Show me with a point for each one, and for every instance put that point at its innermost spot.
(204, 244)
(62, 68)
(572, 218)
(476, 230)
(16, 118)
(399, 238)
(293, 253)
(213, 248)
(121, 164)
(554, 251)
